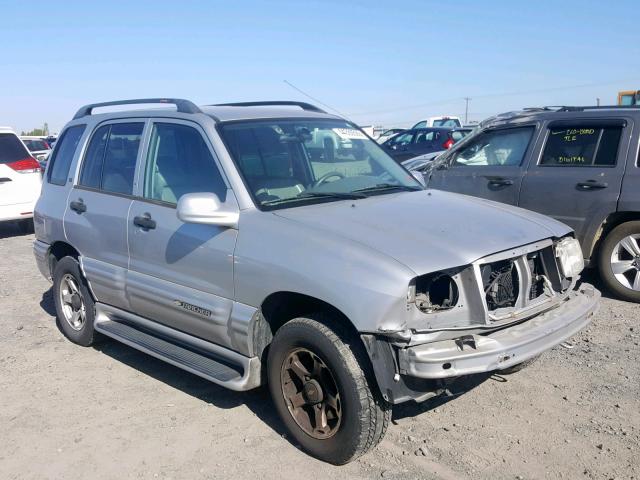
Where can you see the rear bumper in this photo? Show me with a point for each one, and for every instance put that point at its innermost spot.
(40, 251)
(17, 211)
(503, 348)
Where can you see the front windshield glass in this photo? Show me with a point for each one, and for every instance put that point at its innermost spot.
(287, 163)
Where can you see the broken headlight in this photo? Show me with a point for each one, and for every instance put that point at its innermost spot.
(434, 292)
(569, 255)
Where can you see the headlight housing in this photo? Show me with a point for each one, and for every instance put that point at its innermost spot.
(569, 255)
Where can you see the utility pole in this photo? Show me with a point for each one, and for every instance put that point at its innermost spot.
(466, 110)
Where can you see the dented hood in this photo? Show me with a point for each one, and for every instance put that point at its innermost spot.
(429, 230)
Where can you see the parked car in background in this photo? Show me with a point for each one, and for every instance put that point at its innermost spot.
(51, 140)
(387, 134)
(20, 180)
(576, 164)
(38, 147)
(415, 142)
(335, 278)
(450, 122)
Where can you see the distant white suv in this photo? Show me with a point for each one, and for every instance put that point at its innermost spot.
(452, 122)
(20, 180)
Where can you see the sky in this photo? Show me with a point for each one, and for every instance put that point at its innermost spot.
(382, 63)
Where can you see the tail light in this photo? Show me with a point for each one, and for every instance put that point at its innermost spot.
(448, 144)
(26, 165)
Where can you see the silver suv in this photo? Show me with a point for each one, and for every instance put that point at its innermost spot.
(214, 239)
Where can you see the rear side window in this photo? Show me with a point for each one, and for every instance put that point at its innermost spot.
(110, 160)
(180, 162)
(11, 148)
(582, 147)
(63, 155)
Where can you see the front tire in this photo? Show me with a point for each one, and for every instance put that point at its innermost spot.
(319, 384)
(619, 261)
(75, 307)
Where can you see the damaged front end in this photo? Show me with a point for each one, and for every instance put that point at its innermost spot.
(495, 313)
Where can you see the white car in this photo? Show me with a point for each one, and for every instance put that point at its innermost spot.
(445, 121)
(20, 180)
(38, 147)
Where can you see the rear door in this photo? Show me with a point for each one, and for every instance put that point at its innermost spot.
(578, 175)
(491, 165)
(20, 178)
(95, 220)
(180, 274)
(399, 147)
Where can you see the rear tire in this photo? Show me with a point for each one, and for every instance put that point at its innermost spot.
(621, 249)
(329, 370)
(75, 307)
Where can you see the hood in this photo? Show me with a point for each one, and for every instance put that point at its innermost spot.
(429, 230)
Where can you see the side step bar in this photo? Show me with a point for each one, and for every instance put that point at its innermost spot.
(212, 362)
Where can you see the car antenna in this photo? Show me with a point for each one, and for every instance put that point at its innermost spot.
(317, 101)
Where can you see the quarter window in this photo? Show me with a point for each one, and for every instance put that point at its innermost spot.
(179, 162)
(63, 154)
(582, 147)
(501, 148)
(110, 161)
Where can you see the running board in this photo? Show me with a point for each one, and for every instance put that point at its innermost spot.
(212, 362)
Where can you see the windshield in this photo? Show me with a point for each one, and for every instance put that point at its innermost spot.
(287, 163)
(11, 149)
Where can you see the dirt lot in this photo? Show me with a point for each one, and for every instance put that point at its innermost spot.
(111, 412)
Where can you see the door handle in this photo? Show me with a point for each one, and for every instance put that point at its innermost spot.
(591, 185)
(5, 180)
(499, 181)
(145, 221)
(78, 206)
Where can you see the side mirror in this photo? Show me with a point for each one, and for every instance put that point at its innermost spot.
(420, 177)
(207, 209)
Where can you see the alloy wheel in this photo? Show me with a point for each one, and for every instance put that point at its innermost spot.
(625, 262)
(311, 393)
(72, 302)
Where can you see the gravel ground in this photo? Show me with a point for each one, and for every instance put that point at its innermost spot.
(110, 412)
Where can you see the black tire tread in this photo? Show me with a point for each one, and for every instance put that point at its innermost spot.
(376, 412)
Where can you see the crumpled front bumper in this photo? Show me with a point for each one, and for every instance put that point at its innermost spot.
(503, 348)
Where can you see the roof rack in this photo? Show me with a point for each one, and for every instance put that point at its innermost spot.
(275, 103)
(183, 106)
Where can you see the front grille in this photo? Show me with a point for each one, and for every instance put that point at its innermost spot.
(501, 284)
(527, 278)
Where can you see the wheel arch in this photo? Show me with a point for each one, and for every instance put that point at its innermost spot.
(57, 251)
(612, 221)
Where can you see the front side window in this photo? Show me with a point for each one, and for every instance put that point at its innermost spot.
(581, 147)
(63, 155)
(401, 140)
(290, 162)
(495, 148)
(179, 162)
(110, 160)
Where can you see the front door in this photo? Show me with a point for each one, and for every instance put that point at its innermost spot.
(95, 219)
(490, 165)
(578, 176)
(180, 274)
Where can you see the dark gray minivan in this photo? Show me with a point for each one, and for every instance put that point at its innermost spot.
(578, 165)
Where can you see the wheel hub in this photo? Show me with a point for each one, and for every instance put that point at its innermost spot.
(312, 392)
(76, 302)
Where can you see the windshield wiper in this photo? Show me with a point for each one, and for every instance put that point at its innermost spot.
(312, 195)
(381, 187)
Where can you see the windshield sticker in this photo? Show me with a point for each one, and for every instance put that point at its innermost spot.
(350, 134)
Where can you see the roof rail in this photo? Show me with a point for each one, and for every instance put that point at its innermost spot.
(183, 106)
(596, 107)
(275, 103)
